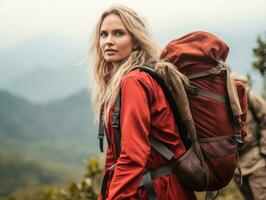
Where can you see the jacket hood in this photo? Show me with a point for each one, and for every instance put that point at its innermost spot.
(195, 48)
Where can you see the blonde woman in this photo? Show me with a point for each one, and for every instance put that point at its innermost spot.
(122, 43)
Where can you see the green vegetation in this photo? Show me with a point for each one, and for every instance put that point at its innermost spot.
(260, 54)
(86, 189)
(56, 151)
(89, 187)
(260, 59)
(44, 145)
(230, 192)
(21, 172)
(48, 132)
(67, 118)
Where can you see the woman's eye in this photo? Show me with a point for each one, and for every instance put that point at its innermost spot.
(103, 34)
(119, 33)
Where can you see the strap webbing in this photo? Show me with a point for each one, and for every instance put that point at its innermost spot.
(171, 101)
(116, 124)
(217, 138)
(193, 90)
(214, 70)
(212, 95)
(161, 148)
(147, 181)
(147, 177)
(105, 181)
(162, 171)
(101, 131)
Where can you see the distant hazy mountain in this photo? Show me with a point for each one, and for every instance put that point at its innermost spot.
(44, 68)
(70, 117)
(62, 132)
(44, 84)
(47, 51)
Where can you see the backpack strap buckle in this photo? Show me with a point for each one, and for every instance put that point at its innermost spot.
(115, 122)
(193, 90)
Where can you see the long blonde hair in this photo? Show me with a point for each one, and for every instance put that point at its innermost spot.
(105, 92)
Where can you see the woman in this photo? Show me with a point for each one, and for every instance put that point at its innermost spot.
(122, 43)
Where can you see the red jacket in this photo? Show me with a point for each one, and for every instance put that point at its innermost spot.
(144, 111)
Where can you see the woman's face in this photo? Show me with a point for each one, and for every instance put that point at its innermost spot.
(115, 41)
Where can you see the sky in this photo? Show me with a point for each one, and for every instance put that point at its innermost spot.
(22, 19)
(237, 22)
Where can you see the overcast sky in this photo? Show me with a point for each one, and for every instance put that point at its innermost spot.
(237, 22)
(22, 19)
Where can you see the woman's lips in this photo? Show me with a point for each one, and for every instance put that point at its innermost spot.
(110, 51)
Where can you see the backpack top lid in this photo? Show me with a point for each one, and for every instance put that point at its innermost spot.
(196, 48)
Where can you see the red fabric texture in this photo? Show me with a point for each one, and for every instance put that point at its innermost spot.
(144, 112)
(199, 52)
(195, 53)
(197, 48)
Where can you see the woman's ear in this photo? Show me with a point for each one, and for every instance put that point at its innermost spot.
(135, 45)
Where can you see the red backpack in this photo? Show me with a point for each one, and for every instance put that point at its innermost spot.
(218, 106)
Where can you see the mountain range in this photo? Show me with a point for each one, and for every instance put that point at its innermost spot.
(62, 130)
(44, 144)
(48, 67)
(44, 68)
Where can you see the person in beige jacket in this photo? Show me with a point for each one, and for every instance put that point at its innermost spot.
(252, 155)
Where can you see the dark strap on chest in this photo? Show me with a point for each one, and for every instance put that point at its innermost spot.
(116, 124)
(101, 131)
(160, 147)
(155, 144)
(172, 104)
(116, 115)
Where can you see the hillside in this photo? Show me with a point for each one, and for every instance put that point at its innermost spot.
(18, 172)
(61, 134)
(46, 50)
(71, 117)
(42, 84)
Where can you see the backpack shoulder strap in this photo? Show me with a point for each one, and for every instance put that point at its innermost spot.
(116, 124)
(101, 131)
(172, 104)
(161, 148)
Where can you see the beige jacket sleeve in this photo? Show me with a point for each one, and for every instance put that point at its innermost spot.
(258, 105)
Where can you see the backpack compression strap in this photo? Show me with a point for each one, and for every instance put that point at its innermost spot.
(192, 90)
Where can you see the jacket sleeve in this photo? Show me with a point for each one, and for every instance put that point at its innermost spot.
(259, 106)
(135, 147)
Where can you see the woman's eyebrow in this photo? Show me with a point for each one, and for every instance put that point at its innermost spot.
(119, 29)
(113, 31)
(103, 31)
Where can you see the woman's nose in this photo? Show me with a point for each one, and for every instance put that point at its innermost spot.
(109, 39)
